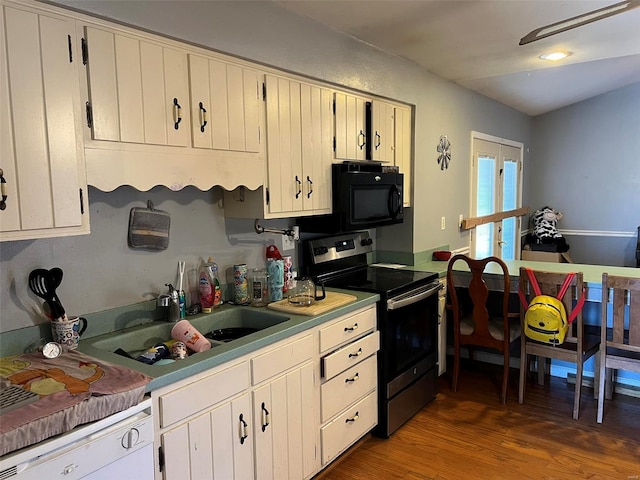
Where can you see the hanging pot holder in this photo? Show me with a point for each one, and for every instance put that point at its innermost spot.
(148, 228)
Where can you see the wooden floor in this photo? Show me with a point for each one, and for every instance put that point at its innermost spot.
(470, 435)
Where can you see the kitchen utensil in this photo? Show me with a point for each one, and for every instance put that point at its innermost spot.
(305, 292)
(42, 283)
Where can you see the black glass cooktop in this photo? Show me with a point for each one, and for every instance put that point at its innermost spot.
(383, 280)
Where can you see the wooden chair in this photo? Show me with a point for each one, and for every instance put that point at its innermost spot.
(619, 344)
(577, 348)
(477, 327)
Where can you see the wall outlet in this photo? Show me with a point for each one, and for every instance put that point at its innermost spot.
(442, 223)
(288, 243)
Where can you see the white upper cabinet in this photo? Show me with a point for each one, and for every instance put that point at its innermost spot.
(165, 113)
(299, 157)
(382, 141)
(403, 149)
(41, 155)
(225, 102)
(137, 89)
(350, 126)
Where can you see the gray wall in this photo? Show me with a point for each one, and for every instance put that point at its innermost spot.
(585, 163)
(101, 272)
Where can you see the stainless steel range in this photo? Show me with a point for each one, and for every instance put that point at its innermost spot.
(407, 321)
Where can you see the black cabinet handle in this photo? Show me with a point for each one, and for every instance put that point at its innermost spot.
(299, 183)
(244, 431)
(3, 190)
(203, 117)
(357, 354)
(352, 379)
(361, 143)
(177, 114)
(310, 184)
(353, 419)
(265, 417)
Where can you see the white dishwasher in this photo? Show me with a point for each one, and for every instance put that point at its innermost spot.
(117, 447)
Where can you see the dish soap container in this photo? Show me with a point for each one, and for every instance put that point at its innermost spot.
(209, 286)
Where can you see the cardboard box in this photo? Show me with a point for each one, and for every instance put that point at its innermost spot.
(546, 256)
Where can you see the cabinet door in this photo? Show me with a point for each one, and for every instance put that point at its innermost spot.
(382, 132)
(316, 112)
(42, 160)
(216, 445)
(284, 145)
(224, 105)
(285, 427)
(403, 135)
(350, 128)
(136, 89)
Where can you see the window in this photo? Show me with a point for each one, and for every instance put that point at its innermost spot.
(496, 187)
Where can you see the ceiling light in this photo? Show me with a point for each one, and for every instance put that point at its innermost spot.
(555, 56)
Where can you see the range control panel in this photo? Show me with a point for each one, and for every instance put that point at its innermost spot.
(341, 246)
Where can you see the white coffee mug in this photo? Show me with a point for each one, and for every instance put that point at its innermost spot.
(67, 332)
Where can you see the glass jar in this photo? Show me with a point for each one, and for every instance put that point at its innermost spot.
(259, 287)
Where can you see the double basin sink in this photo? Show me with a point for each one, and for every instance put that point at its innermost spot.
(223, 328)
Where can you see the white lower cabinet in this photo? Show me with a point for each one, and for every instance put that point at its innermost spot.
(348, 394)
(215, 445)
(282, 412)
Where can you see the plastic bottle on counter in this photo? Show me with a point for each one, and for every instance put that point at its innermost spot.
(209, 286)
(217, 292)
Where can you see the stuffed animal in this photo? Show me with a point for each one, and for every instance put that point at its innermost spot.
(544, 226)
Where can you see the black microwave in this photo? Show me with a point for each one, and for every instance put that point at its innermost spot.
(365, 195)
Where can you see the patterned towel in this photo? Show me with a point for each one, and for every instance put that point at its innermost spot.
(74, 389)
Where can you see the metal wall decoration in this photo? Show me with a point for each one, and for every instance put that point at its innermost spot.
(444, 152)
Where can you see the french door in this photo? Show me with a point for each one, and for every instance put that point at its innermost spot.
(496, 188)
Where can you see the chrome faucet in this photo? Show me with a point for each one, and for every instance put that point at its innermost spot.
(170, 301)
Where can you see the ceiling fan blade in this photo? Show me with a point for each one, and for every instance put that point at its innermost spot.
(579, 20)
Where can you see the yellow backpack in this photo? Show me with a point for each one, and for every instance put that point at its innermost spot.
(546, 319)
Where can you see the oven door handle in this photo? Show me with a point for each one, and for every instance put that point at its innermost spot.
(393, 304)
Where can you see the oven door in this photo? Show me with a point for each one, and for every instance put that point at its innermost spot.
(410, 337)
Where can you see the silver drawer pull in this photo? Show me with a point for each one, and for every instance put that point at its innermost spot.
(357, 354)
(352, 379)
(351, 329)
(353, 419)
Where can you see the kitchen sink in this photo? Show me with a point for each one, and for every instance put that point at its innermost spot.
(222, 326)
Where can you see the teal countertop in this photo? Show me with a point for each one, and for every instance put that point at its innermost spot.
(592, 273)
(163, 375)
(137, 316)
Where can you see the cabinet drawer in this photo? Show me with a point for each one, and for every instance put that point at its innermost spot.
(346, 429)
(347, 329)
(281, 359)
(192, 398)
(349, 355)
(347, 387)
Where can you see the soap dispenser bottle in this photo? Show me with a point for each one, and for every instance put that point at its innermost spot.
(205, 286)
(210, 293)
